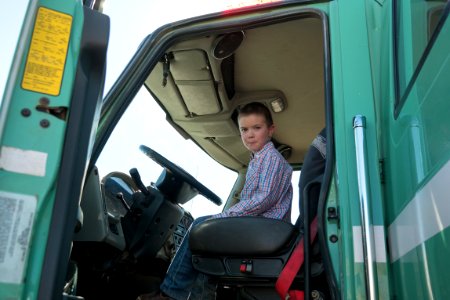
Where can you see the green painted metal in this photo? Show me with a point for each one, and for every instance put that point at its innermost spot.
(423, 272)
(354, 80)
(418, 148)
(333, 229)
(40, 132)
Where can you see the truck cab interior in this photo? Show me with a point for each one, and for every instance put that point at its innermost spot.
(200, 71)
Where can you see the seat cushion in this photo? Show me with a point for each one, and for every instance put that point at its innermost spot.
(241, 236)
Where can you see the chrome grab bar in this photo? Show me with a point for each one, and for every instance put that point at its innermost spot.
(359, 126)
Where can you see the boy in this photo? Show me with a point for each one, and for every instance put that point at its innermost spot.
(267, 192)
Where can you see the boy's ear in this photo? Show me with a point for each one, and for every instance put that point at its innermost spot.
(271, 130)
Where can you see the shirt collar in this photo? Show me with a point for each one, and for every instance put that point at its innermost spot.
(264, 149)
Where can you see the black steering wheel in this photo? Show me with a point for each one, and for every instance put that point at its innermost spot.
(181, 174)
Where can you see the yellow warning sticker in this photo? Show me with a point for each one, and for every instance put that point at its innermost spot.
(47, 54)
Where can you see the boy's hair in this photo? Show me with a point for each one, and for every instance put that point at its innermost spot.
(258, 109)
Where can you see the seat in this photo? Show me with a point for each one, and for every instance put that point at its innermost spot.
(221, 247)
(250, 252)
(221, 236)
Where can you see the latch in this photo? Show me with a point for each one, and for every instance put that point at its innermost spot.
(333, 214)
(166, 67)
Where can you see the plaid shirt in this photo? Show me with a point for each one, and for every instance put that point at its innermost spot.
(268, 190)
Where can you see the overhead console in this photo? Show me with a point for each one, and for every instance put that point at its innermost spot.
(185, 77)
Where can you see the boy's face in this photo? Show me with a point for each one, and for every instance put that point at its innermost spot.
(255, 132)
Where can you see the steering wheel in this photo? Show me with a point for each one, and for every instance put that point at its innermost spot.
(181, 174)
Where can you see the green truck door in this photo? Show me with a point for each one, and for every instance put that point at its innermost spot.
(48, 119)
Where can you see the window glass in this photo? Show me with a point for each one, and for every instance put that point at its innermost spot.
(144, 123)
(295, 212)
(416, 21)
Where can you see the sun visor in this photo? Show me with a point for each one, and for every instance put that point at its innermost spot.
(192, 75)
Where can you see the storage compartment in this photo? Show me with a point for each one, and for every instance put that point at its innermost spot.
(191, 73)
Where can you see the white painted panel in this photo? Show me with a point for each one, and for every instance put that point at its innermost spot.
(380, 244)
(426, 215)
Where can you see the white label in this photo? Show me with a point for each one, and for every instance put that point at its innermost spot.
(16, 219)
(27, 162)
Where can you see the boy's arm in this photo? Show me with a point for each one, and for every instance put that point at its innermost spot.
(272, 182)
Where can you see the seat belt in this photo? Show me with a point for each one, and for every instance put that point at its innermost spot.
(291, 269)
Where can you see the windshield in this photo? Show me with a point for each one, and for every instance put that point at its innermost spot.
(144, 123)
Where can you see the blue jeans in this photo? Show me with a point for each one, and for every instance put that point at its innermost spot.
(182, 281)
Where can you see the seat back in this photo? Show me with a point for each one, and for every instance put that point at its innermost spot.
(310, 186)
(313, 167)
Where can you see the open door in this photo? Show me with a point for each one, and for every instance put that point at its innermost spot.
(48, 119)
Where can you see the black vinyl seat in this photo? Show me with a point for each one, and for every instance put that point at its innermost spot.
(255, 236)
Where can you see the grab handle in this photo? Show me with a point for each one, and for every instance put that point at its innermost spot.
(359, 126)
